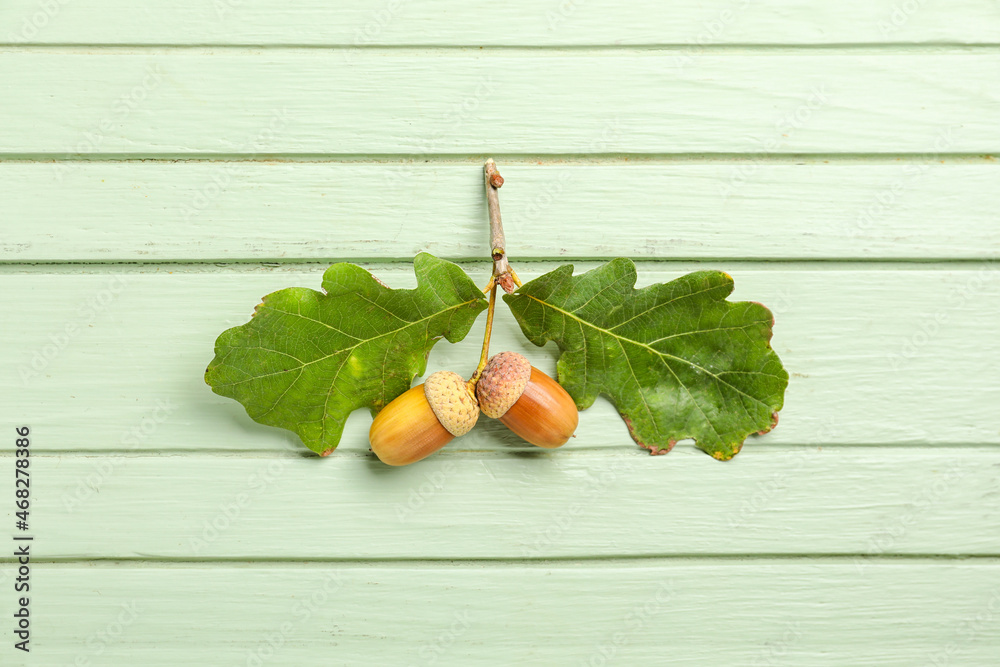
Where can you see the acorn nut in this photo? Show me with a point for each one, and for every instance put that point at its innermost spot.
(526, 400)
(423, 419)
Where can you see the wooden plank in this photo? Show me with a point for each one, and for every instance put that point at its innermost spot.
(188, 102)
(91, 355)
(698, 612)
(690, 23)
(87, 211)
(461, 504)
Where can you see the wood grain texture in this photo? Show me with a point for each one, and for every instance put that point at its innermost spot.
(171, 529)
(126, 211)
(565, 504)
(809, 613)
(189, 102)
(516, 22)
(877, 356)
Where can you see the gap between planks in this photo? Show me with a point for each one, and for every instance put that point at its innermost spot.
(642, 560)
(848, 48)
(517, 159)
(628, 450)
(472, 265)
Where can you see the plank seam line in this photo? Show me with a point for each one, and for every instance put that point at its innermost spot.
(472, 264)
(533, 160)
(625, 450)
(943, 47)
(564, 560)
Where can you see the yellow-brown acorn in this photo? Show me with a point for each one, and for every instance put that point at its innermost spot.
(526, 400)
(423, 419)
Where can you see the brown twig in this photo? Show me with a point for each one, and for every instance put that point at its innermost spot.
(503, 275)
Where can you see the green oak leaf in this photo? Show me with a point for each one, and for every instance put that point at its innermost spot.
(677, 359)
(306, 360)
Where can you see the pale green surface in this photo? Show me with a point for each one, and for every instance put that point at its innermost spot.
(273, 102)
(830, 612)
(835, 540)
(571, 504)
(512, 23)
(106, 211)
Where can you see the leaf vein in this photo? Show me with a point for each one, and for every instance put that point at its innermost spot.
(653, 350)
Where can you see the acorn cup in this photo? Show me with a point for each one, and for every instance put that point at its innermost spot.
(526, 400)
(423, 419)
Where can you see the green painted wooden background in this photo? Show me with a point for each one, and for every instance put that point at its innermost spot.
(165, 164)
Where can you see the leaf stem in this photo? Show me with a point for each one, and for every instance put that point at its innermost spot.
(485, 356)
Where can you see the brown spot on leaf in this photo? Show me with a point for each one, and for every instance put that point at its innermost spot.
(654, 449)
(774, 422)
(768, 312)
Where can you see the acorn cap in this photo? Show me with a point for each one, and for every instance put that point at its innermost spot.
(502, 383)
(452, 402)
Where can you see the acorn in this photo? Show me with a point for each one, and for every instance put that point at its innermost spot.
(423, 419)
(526, 400)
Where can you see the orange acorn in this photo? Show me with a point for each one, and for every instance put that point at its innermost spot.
(423, 419)
(526, 400)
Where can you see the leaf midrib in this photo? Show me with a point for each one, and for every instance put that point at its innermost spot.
(301, 369)
(361, 341)
(651, 349)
